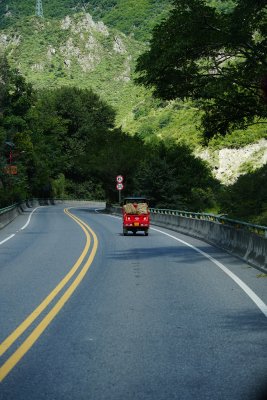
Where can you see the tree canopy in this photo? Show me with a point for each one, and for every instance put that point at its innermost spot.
(246, 198)
(64, 143)
(216, 57)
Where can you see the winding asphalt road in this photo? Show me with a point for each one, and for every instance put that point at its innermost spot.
(89, 314)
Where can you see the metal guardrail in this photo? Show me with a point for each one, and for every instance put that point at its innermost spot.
(258, 229)
(44, 202)
(27, 202)
(9, 208)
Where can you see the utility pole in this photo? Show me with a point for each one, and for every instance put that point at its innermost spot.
(39, 9)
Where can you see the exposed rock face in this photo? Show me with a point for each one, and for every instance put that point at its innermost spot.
(51, 52)
(6, 40)
(118, 46)
(66, 23)
(126, 74)
(87, 61)
(91, 43)
(3, 40)
(229, 164)
(86, 24)
(67, 63)
(37, 67)
(87, 51)
(85, 43)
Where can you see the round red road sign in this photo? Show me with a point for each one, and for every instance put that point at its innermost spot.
(119, 179)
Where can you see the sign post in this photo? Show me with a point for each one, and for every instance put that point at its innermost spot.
(119, 186)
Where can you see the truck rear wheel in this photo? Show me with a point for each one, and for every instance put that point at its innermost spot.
(125, 232)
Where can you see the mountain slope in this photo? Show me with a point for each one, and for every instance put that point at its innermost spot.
(78, 50)
(135, 17)
(75, 51)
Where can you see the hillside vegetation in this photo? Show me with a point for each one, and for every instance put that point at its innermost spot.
(64, 142)
(136, 18)
(77, 51)
(94, 45)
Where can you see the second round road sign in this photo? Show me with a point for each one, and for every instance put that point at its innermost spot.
(119, 186)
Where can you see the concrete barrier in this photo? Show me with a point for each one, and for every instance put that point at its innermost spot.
(9, 214)
(249, 246)
(82, 203)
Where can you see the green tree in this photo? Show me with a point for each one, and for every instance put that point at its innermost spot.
(247, 198)
(76, 129)
(218, 59)
(16, 99)
(172, 177)
(88, 120)
(136, 17)
(120, 154)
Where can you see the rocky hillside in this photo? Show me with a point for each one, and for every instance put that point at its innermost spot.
(79, 50)
(228, 164)
(132, 17)
(75, 51)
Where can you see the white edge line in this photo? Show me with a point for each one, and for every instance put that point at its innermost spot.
(8, 238)
(21, 229)
(259, 303)
(249, 292)
(29, 219)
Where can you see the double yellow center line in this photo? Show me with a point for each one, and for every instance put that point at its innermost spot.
(17, 355)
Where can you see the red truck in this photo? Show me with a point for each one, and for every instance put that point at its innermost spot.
(135, 215)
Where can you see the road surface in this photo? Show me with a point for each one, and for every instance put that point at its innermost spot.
(89, 314)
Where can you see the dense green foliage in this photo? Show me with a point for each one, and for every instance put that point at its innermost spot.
(173, 178)
(15, 101)
(82, 56)
(68, 141)
(247, 198)
(78, 54)
(215, 58)
(64, 143)
(136, 17)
